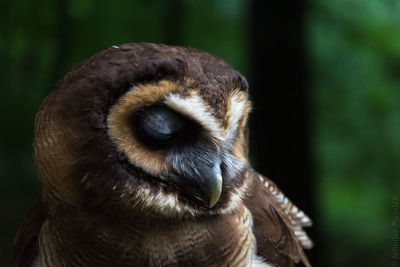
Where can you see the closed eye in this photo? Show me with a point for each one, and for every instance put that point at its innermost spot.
(160, 126)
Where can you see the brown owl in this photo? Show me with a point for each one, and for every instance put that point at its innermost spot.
(142, 155)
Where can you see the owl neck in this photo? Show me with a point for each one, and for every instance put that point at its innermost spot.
(73, 238)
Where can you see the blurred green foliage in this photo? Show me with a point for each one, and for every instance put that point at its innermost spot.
(354, 48)
(354, 58)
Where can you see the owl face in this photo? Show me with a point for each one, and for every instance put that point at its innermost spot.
(152, 127)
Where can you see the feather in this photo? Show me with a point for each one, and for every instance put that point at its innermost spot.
(274, 228)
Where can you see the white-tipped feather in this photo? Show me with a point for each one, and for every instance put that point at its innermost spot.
(296, 216)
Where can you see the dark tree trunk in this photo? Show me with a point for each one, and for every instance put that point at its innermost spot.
(280, 125)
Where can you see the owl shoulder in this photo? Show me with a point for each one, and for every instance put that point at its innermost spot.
(26, 242)
(276, 225)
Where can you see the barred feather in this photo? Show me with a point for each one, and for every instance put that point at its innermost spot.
(296, 216)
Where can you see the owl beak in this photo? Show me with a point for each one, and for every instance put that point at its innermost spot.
(205, 179)
(212, 184)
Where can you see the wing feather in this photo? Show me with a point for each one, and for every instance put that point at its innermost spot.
(277, 224)
(297, 217)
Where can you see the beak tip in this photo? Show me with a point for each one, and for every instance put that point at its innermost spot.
(213, 201)
(216, 192)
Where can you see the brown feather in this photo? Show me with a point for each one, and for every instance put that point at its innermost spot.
(26, 241)
(275, 236)
(75, 238)
(296, 216)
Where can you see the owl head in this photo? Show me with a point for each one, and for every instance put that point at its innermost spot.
(145, 128)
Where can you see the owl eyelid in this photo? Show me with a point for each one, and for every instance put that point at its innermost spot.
(156, 134)
(158, 124)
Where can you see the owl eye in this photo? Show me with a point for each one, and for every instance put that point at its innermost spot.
(158, 125)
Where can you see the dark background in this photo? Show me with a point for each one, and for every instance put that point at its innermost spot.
(324, 78)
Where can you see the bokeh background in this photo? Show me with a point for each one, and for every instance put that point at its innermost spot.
(324, 78)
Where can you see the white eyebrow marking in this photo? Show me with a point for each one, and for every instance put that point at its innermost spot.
(235, 113)
(194, 107)
(199, 110)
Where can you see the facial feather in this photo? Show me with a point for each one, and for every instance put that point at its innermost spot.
(215, 144)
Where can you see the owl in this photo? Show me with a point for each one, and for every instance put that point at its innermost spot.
(142, 153)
